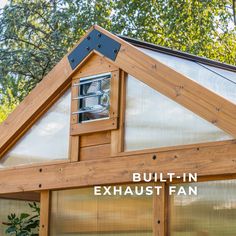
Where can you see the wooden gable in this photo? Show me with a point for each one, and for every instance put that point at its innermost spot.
(158, 76)
(103, 142)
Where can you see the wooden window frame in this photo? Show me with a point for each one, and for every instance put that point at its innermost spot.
(110, 123)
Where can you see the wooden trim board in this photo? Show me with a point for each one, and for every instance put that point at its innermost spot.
(23, 196)
(117, 136)
(44, 213)
(74, 148)
(159, 212)
(96, 126)
(206, 161)
(95, 139)
(101, 124)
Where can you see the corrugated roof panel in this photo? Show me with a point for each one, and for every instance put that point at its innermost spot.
(220, 81)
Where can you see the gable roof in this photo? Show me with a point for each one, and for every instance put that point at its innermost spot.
(177, 53)
(155, 74)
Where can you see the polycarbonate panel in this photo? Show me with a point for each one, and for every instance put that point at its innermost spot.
(152, 120)
(80, 212)
(46, 140)
(8, 207)
(220, 81)
(211, 213)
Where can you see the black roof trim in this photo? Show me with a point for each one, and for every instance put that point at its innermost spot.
(177, 53)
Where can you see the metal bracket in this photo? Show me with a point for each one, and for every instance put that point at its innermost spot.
(94, 41)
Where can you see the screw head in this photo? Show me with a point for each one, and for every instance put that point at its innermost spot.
(88, 48)
(99, 35)
(88, 38)
(115, 51)
(154, 157)
(99, 45)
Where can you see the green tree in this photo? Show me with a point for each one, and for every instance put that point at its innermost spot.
(203, 27)
(34, 35)
(24, 224)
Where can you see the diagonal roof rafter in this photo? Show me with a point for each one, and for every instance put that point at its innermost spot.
(176, 86)
(155, 74)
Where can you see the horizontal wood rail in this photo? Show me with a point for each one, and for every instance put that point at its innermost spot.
(206, 161)
(27, 196)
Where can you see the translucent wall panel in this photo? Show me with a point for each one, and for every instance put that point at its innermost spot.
(220, 81)
(153, 120)
(47, 139)
(80, 212)
(11, 207)
(211, 213)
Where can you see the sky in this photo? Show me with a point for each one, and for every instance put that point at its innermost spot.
(2, 3)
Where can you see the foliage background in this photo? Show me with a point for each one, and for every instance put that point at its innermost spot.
(35, 34)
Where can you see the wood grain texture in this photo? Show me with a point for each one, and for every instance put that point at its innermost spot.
(24, 196)
(74, 148)
(176, 86)
(205, 160)
(95, 152)
(44, 213)
(99, 125)
(159, 212)
(114, 95)
(96, 64)
(95, 139)
(117, 136)
(74, 118)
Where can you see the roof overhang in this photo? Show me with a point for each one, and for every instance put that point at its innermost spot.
(177, 53)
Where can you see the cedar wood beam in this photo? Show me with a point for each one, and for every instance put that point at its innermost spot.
(27, 196)
(206, 161)
(208, 105)
(44, 213)
(158, 76)
(53, 85)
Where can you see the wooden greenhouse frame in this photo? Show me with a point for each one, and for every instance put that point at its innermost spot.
(99, 147)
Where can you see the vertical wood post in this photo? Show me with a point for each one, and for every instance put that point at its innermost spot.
(160, 212)
(117, 136)
(44, 213)
(74, 140)
(74, 148)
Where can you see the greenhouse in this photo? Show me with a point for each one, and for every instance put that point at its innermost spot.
(114, 106)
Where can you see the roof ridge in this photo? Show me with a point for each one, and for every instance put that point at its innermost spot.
(178, 53)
